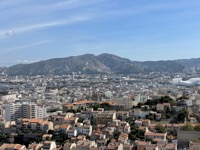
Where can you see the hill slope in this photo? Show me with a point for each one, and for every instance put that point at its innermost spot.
(104, 63)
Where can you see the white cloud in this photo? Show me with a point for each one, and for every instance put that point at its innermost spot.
(51, 24)
(25, 46)
(24, 29)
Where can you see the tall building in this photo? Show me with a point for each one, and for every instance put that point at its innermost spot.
(126, 101)
(14, 111)
(41, 112)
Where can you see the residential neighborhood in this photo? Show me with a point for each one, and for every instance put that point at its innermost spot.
(98, 112)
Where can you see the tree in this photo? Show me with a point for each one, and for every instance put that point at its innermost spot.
(136, 133)
(187, 127)
(80, 120)
(163, 99)
(183, 97)
(139, 104)
(78, 110)
(116, 134)
(160, 128)
(149, 102)
(104, 105)
(50, 131)
(197, 127)
(182, 115)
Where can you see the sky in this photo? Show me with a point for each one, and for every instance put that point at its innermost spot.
(140, 30)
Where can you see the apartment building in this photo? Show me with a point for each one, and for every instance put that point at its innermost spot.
(141, 98)
(14, 111)
(127, 102)
(162, 107)
(123, 126)
(8, 97)
(138, 113)
(34, 124)
(49, 145)
(83, 129)
(153, 135)
(85, 144)
(104, 117)
(69, 146)
(41, 112)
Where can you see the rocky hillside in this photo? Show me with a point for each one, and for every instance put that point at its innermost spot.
(104, 63)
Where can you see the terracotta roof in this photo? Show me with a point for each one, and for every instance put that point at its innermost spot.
(152, 125)
(149, 133)
(18, 146)
(65, 126)
(172, 146)
(57, 127)
(145, 120)
(69, 105)
(83, 102)
(151, 147)
(11, 146)
(138, 121)
(157, 139)
(141, 143)
(35, 120)
(123, 136)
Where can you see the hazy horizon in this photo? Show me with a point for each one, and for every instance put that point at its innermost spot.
(29, 62)
(138, 30)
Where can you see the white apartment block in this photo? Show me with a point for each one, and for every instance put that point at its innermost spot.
(83, 129)
(41, 112)
(141, 98)
(8, 97)
(139, 113)
(14, 111)
(126, 101)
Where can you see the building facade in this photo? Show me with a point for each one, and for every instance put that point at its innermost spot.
(14, 111)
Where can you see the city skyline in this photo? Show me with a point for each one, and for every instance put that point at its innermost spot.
(138, 30)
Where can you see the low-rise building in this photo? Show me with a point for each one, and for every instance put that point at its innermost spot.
(34, 124)
(104, 117)
(49, 145)
(83, 129)
(153, 135)
(62, 128)
(123, 138)
(35, 146)
(71, 133)
(138, 113)
(162, 107)
(69, 146)
(85, 145)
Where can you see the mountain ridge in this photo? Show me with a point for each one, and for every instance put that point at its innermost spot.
(103, 63)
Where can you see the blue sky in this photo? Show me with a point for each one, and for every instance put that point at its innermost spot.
(33, 30)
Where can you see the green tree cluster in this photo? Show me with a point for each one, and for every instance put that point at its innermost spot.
(136, 134)
(163, 99)
(105, 105)
(182, 115)
(160, 128)
(187, 127)
(197, 127)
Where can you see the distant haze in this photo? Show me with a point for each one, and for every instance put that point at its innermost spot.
(104, 63)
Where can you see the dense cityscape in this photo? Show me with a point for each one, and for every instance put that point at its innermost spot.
(99, 75)
(99, 111)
